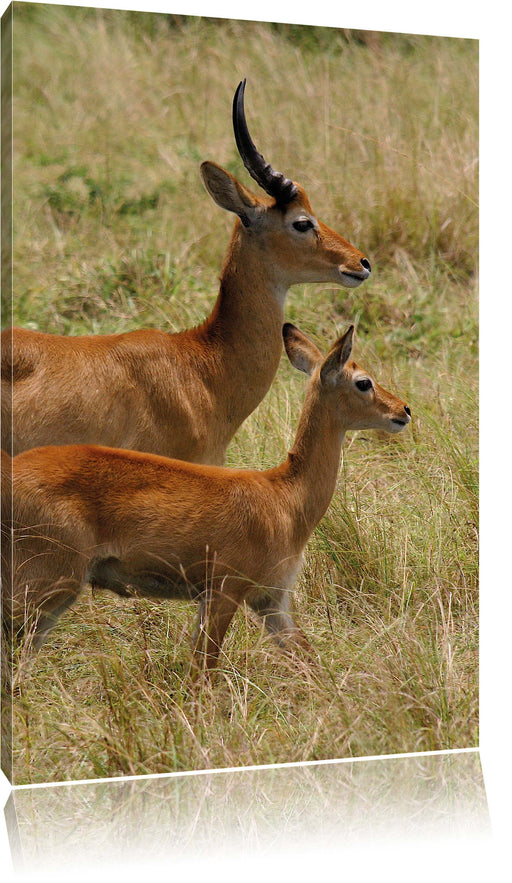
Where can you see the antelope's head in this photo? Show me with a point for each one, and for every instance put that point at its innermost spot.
(282, 227)
(358, 401)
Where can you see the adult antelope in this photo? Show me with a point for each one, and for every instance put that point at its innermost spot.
(183, 395)
(144, 525)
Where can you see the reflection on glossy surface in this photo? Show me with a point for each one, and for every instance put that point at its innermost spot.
(315, 807)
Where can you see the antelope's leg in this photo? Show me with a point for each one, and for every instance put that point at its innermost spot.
(217, 608)
(48, 620)
(275, 610)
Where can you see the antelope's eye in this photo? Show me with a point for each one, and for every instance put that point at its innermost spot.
(364, 385)
(303, 224)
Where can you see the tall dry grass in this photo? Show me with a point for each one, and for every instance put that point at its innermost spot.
(113, 230)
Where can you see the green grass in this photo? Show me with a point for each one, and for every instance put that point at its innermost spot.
(113, 230)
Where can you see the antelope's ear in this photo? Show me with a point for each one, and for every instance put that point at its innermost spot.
(337, 358)
(230, 195)
(301, 351)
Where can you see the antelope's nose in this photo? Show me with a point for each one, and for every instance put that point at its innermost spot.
(366, 265)
(407, 410)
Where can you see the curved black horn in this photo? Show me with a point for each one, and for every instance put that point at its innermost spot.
(282, 189)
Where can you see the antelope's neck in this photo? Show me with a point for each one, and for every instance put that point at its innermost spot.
(311, 469)
(245, 329)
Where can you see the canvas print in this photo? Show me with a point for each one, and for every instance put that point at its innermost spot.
(239, 393)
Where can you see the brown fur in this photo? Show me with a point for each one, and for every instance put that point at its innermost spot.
(182, 395)
(142, 524)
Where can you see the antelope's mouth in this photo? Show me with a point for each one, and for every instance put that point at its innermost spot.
(398, 422)
(352, 280)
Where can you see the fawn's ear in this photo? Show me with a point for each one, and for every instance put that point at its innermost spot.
(337, 358)
(230, 195)
(301, 351)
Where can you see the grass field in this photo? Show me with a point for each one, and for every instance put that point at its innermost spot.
(113, 112)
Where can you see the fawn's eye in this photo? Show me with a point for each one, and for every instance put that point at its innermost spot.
(303, 224)
(364, 385)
